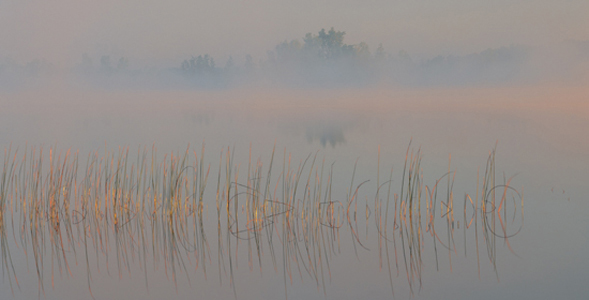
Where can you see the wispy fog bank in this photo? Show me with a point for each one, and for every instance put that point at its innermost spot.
(322, 60)
(222, 44)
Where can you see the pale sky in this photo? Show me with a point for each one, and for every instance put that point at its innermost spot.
(164, 32)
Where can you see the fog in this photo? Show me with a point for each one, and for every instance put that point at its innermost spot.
(349, 87)
(143, 44)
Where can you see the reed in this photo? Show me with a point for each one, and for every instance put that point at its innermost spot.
(122, 209)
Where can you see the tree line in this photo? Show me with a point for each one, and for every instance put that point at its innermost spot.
(323, 59)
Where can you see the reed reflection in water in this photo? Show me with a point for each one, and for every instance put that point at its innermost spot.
(115, 209)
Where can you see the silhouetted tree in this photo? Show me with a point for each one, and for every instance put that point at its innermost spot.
(380, 55)
(229, 65)
(249, 64)
(123, 63)
(200, 65)
(105, 64)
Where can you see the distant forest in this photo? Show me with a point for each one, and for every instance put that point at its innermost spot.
(322, 60)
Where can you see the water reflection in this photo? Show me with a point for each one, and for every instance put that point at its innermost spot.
(111, 210)
(326, 133)
(321, 130)
(199, 118)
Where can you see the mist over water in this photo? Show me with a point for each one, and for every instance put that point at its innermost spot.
(538, 140)
(337, 96)
(317, 61)
(223, 45)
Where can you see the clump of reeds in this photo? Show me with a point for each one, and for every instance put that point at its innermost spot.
(122, 209)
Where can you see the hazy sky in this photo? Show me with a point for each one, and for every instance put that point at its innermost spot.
(163, 32)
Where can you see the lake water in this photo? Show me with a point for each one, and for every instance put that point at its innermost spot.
(330, 150)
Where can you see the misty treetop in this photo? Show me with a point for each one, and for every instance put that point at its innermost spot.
(317, 60)
(320, 59)
(321, 48)
(326, 60)
(199, 65)
(14, 76)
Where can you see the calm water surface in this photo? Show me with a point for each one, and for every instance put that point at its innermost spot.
(538, 134)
